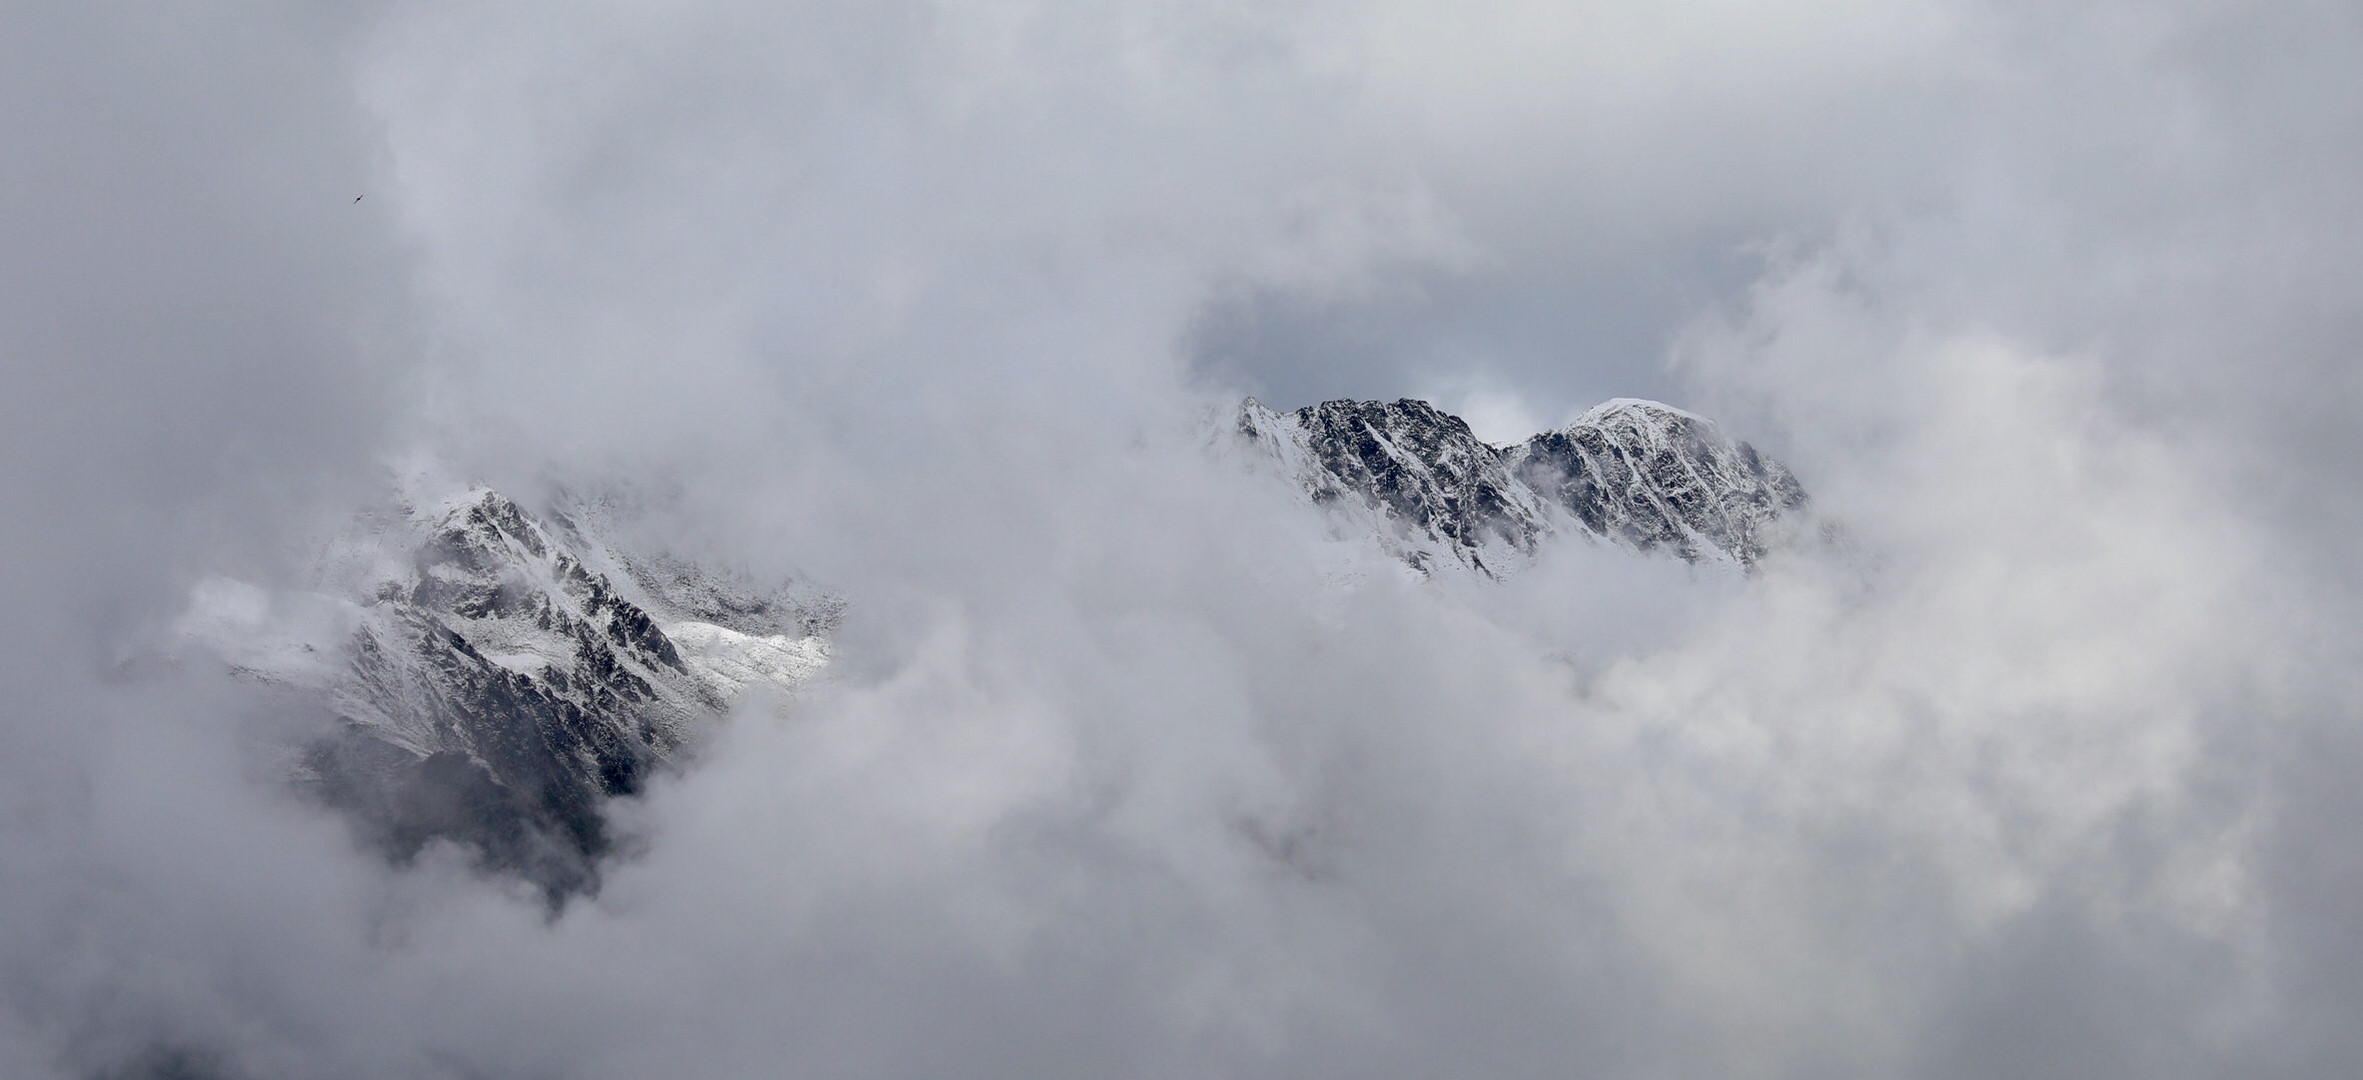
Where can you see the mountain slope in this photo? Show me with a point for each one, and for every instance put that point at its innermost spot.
(495, 677)
(500, 678)
(1634, 473)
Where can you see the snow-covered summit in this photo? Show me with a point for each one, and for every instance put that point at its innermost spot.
(494, 677)
(1635, 473)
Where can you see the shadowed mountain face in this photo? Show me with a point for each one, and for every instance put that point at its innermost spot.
(500, 679)
(515, 688)
(1635, 473)
(497, 677)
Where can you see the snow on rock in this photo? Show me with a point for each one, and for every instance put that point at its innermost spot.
(1634, 473)
(496, 679)
(728, 663)
(497, 675)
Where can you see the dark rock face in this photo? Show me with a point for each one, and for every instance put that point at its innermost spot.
(518, 767)
(513, 753)
(503, 680)
(1659, 478)
(1634, 473)
(1425, 470)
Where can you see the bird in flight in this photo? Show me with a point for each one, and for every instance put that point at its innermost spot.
(356, 198)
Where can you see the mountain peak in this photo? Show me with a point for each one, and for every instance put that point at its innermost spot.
(1642, 407)
(494, 679)
(1640, 474)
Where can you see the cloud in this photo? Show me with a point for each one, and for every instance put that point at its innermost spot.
(2035, 762)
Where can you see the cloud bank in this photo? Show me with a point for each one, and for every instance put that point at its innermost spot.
(2042, 764)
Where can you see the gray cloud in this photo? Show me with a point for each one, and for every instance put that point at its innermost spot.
(1127, 767)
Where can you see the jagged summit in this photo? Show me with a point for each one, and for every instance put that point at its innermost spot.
(1654, 476)
(1636, 473)
(496, 675)
(497, 678)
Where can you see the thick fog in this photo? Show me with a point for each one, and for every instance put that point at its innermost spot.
(2044, 760)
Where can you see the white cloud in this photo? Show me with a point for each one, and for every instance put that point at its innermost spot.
(2037, 764)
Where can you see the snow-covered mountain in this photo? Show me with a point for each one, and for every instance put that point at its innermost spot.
(494, 678)
(1634, 473)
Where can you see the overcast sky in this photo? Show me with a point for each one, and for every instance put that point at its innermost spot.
(2050, 766)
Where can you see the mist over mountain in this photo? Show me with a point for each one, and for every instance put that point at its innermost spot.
(1634, 473)
(493, 680)
(578, 541)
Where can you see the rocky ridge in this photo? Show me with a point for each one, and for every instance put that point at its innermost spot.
(494, 679)
(1634, 473)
